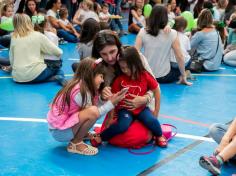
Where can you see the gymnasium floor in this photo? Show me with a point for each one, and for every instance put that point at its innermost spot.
(28, 149)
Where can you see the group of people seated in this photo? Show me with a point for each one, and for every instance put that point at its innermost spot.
(121, 78)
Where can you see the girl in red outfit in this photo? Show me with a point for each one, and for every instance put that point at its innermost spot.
(137, 81)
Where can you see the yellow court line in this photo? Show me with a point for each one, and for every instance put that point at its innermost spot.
(203, 74)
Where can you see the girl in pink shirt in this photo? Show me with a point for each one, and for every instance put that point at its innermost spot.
(74, 109)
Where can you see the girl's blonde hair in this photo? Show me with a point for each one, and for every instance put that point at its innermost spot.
(89, 4)
(22, 25)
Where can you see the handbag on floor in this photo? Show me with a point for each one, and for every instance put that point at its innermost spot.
(53, 64)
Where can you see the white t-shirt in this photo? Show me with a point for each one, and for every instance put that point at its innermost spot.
(142, 19)
(171, 16)
(51, 13)
(185, 46)
(103, 15)
(84, 15)
(54, 39)
(65, 22)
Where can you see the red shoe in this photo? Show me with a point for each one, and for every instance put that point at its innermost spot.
(161, 143)
(94, 143)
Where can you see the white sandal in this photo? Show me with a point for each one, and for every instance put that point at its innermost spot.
(89, 150)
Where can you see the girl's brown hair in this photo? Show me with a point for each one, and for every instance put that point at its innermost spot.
(40, 25)
(205, 19)
(131, 56)
(63, 12)
(180, 23)
(85, 74)
(4, 9)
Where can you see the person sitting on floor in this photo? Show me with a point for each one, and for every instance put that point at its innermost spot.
(225, 136)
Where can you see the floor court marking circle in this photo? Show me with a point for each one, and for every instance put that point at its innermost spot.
(40, 120)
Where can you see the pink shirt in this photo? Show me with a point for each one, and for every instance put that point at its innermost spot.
(70, 116)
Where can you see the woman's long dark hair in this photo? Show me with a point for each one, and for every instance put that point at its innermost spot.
(27, 10)
(230, 6)
(102, 39)
(89, 29)
(158, 19)
(50, 4)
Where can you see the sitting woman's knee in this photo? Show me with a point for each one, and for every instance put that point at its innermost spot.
(213, 129)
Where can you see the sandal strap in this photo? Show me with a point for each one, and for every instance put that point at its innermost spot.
(89, 150)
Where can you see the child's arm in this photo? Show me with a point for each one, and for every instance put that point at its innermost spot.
(53, 21)
(76, 18)
(135, 15)
(157, 96)
(72, 29)
(61, 25)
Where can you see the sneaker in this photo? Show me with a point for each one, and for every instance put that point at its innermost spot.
(61, 80)
(211, 164)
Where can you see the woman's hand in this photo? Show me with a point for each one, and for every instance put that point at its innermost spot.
(106, 93)
(183, 80)
(136, 102)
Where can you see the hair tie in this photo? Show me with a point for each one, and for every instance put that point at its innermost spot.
(221, 24)
(38, 19)
(97, 61)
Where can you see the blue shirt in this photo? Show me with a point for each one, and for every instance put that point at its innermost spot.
(206, 45)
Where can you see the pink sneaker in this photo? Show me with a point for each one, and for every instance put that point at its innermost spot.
(211, 164)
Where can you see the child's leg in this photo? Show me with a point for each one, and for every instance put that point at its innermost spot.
(87, 119)
(123, 122)
(150, 121)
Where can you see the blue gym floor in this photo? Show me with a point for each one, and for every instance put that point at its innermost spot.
(28, 149)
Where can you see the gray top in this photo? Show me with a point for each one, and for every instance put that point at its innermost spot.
(157, 50)
(85, 49)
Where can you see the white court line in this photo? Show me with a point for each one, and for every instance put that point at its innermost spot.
(187, 136)
(22, 119)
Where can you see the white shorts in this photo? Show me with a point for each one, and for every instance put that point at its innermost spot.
(62, 135)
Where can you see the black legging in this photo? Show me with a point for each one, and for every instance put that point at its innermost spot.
(4, 62)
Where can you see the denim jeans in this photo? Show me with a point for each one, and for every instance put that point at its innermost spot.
(5, 40)
(47, 74)
(125, 118)
(114, 10)
(67, 36)
(172, 76)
